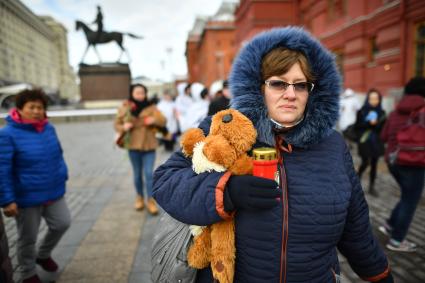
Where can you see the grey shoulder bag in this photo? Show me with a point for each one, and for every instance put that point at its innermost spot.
(169, 252)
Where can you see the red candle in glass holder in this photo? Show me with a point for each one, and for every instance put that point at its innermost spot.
(265, 162)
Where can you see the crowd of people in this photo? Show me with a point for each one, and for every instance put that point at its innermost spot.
(290, 90)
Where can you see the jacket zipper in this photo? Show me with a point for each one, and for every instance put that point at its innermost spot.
(285, 221)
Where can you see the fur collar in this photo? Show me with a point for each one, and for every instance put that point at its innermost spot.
(323, 103)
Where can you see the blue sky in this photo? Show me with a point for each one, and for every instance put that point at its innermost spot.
(164, 24)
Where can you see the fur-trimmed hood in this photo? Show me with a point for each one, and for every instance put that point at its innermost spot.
(323, 103)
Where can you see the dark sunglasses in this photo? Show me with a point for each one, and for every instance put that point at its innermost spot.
(283, 86)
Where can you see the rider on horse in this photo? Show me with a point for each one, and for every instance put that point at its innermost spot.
(99, 21)
(101, 37)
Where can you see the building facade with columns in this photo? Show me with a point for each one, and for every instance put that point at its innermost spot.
(34, 50)
(67, 78)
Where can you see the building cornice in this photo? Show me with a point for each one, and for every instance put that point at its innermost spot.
(360, 19)
(23, 13)
(51, 22)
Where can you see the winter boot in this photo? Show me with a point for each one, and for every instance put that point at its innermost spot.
(47, 264)
(372, 190)
(152, 207)
(140, 203)
(32, 279)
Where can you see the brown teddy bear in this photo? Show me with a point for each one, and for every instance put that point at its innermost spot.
(231, 135)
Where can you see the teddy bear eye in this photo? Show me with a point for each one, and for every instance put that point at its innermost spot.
(227, 118)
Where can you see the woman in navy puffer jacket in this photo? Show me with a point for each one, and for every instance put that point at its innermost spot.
(288, 85)
(32, 182)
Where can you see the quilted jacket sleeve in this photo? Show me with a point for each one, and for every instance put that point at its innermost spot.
(7, 194)
(185, 195)
(357, 243)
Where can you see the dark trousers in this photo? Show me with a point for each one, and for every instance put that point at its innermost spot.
(373, 161)
(411, 182)
(168, 145)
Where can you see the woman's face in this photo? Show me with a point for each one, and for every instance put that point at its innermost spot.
(373, 99)
(139, 93)
(287, 106)
(32, 110)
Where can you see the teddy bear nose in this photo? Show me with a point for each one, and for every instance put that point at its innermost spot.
(227, 118)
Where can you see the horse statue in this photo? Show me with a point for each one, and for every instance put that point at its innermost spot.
(93, 39)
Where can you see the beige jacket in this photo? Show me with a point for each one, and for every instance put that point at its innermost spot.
(142, 137)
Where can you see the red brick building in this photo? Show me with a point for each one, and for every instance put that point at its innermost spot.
(192, 50)
(378, 43)
(210, 47)
(216, 51)
(252, 17)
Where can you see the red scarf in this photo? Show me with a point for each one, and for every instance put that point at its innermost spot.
(37, 124)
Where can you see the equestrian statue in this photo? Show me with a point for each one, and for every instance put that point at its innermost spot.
(100, 36)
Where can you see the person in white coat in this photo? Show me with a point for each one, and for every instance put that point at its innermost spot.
(168, 108)
(183, 102)
(349, 105)
(198, 110)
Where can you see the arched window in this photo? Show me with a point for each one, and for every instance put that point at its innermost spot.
(420, 50)
(373, 49)
(336, 9)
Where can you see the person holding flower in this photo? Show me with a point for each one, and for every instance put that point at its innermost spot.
(137, 119)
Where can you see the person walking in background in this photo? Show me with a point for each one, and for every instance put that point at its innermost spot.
(369, 122)
(198, 110)
(33, 174)
(183, 102)
(409, 178)
(348, 107)
(6, 271)
(287, 83)
(216, 89)
(167, 107)
(221, 102)
(138, 118)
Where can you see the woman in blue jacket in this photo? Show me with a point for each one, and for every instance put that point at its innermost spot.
(32, 182)
(288, 85)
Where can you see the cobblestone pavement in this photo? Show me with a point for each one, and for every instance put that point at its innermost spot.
(406, 267)
(110, 242)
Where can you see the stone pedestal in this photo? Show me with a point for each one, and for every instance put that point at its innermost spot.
(104, 82)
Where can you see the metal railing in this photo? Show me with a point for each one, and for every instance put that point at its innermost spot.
(75, 113)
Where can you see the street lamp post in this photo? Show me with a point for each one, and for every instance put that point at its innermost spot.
(169, 51)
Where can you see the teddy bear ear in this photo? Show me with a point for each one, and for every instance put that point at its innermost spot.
(189, 139)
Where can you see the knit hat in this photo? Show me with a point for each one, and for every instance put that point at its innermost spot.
(416, 86)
